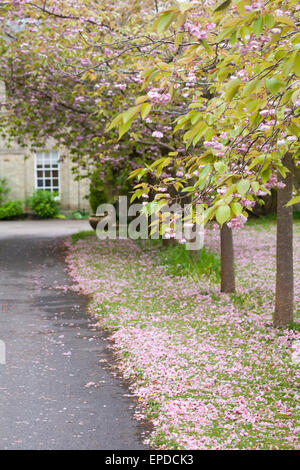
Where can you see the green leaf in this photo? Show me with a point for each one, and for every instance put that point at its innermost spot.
(296, 65)
(232, 89)
(250, 87)
(223, 214)
(266, 175)
(223, 5)
(203, 173)
(285, 20)
(220, 167)
(227, 32)
(184, 6)
(130, 113)
(255, 186)
(257, 26)
(274, 85)
(295, 95)
(294, 200)
(145, 109)
(178, 39)
(236, 208)
(206, 45)
(164, 21)
(243, 186)
(269, 20)
(114, 122)
(125, 127)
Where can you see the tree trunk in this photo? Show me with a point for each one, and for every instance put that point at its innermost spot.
(227, 260)
(168, 242)
(283, 315)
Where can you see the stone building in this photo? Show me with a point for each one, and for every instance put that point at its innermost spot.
(28, 170)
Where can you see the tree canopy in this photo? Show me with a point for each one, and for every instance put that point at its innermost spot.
(199, 99)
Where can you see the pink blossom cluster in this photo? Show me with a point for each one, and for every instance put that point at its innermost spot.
(157, 95)
(247, 203)
(157, 134)
(258, 4)
(120, 86)
(213, 143)
(273, 182)
(237, 222)
(198, 31)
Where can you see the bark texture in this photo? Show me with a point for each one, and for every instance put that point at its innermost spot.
(283, 315)
(227, 260)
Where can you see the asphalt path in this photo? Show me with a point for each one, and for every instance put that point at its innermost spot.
(57, 387)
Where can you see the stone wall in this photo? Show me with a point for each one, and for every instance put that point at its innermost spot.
(17, 166)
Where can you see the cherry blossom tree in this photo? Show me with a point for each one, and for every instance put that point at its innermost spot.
(242, 59)
(207, 95)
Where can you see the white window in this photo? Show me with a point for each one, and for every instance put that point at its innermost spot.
(47, 170)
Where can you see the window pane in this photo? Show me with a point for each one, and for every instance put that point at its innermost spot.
(54, 157)
(47, 170)
(39, 157)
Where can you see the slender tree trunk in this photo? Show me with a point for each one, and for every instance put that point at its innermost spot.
(227, 260)
(168, 242)
(283, 315)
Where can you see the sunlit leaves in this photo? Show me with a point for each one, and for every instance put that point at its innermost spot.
(223, 214)
(294, 200)
(243, 186)
(232, 89)
(274, 85)
(223, 5)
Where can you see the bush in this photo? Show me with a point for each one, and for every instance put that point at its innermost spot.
(43, 204)
(97, 193)
(3, 189)
(11, 209)
(80, 214)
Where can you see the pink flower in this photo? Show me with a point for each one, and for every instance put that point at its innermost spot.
(210, 26)
(157, 134)
(120, 86)
(237, 222)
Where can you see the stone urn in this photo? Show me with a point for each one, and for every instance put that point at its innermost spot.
(94, 219)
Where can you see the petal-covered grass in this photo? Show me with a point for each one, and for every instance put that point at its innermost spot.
(209, 369)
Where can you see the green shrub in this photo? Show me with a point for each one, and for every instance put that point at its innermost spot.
(43, 204)
(3, 189)
(11, 209)
(97, 194)
(80, 214)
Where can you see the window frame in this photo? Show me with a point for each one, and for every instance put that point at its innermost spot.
(54, 165)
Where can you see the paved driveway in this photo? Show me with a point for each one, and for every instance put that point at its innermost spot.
(41, 228)
(57, 390)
